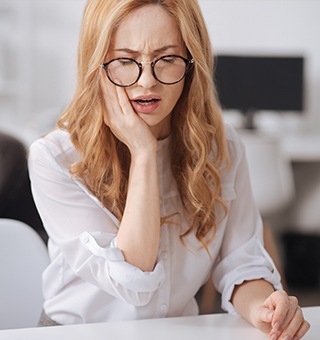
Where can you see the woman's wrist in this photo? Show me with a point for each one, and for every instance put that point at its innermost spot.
(250, 296)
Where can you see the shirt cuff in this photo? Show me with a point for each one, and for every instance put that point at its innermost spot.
(249, 262)
(122, 272)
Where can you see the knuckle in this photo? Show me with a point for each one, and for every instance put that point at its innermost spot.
(294, 300)
(306, 325)
(303, 329)
(286, 303)
(283, 293)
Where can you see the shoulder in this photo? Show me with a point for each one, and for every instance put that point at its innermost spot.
(232, 135)
(56, 147)
(234, 143)
(236, 158)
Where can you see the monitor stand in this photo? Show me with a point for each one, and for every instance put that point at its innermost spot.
(248, 118)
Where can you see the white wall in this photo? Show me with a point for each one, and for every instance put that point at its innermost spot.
(49, 34)
(55, 28)
(42, 45)
(270, 27)
(38, 50)
(279, 27)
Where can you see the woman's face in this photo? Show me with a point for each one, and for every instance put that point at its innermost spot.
(145, 35)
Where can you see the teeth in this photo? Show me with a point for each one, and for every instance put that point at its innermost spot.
(145, 102)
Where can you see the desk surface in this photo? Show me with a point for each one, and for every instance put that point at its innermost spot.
(216, 326)
(301, 147)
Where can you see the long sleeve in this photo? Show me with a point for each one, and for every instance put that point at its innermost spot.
(242, 254)
(82, 229)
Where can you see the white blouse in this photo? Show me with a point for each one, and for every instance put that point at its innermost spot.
(88, 279)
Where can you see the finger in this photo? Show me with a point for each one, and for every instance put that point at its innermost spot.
(266, 315)
(262, 320)
(281, 304)
(303, 330)
(124, 101)
(117, 98)
(293, 308)
(104, 83)
(112, 105)
(297, 326)
(108, 89)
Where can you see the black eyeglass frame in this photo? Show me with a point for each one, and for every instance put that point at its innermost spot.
(188, 62)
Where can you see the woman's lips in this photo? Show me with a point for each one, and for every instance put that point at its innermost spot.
(146, 104)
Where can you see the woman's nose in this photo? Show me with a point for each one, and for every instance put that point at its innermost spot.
(147, 80)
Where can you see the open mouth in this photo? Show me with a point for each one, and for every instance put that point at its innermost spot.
(146, 101)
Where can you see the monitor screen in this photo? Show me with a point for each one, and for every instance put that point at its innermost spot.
(253, 83)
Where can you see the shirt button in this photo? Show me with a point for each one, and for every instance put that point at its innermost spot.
(164, 307)
(164, 255)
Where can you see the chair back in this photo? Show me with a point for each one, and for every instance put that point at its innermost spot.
(270, 172)
(23, 257)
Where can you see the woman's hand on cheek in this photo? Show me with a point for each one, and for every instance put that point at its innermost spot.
(281, 317)
(123, 121)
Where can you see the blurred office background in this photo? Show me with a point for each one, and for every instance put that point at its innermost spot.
(38, 45)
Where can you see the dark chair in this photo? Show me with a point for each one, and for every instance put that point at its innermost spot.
(16, 201)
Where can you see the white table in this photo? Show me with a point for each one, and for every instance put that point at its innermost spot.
(301, 147)
(216, 326)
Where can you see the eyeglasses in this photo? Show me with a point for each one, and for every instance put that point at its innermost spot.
(168, 70)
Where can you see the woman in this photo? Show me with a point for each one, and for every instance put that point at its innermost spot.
(143, 192)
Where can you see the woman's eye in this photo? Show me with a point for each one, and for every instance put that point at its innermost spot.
(126, 62)
(169, 59)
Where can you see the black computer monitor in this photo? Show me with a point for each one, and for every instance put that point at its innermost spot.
(254, 83)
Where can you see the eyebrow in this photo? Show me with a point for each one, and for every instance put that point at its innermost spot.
(161, 49)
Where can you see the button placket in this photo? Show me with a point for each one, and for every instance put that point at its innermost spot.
(163, 307)
(164, 293)
(164, 255)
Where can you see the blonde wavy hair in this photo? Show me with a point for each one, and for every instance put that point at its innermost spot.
(199, 153)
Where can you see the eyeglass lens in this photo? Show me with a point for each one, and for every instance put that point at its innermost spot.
(168, 70)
